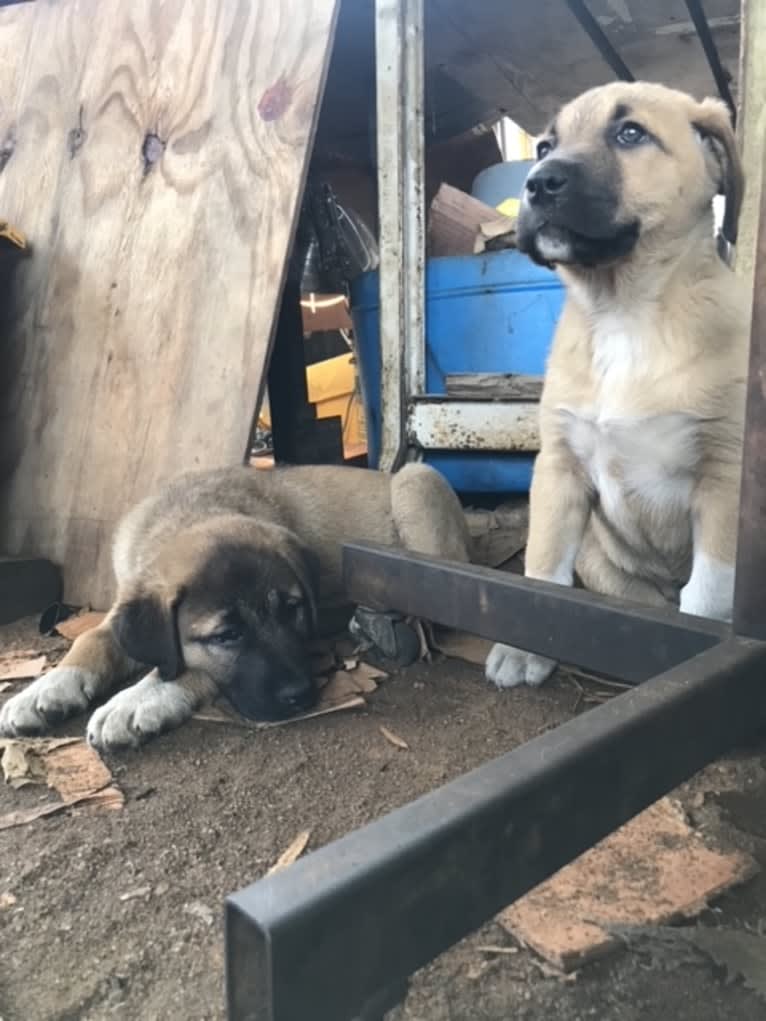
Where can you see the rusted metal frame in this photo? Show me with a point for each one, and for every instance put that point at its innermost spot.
(444, 423)
(625, 641)
(401, 200)
(324, 938)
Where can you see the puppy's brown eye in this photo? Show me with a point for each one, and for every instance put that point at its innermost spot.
(631, 134)
(227, 637)
(543, 148)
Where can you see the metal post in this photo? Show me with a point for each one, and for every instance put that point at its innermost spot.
(401, 200)
(750, 585)
(717, 69)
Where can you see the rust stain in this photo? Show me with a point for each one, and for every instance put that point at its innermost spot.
(275, 100)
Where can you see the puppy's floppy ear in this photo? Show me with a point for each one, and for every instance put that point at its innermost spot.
(146, 627)
(305, 564)
(712, 120)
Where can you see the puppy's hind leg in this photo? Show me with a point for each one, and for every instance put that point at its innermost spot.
(93, 667)
(427, 514)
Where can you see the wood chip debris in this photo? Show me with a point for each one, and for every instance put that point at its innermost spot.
(394, 739)
(459, 645)
(69, 766)
(653, 870)
(291, 853)
(139, 893)
(77, 625)
(21, 666)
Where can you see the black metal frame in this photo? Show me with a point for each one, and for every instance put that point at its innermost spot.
(335, 937)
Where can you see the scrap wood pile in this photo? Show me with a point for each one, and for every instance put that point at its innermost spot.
(460, 224)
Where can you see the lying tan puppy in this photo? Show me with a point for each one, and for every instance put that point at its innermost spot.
(636, 485)
(220, 578)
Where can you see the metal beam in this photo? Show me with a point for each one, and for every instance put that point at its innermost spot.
(319, 939)
(596, 34)
(401, 200)
(594, 632)
(717, 69)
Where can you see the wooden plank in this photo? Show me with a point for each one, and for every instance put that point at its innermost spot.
(455, 222)
(155, 155)
(490, 386)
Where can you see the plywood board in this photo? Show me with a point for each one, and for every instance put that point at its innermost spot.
(154, 154)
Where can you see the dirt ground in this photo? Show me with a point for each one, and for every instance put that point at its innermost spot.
(212, 806)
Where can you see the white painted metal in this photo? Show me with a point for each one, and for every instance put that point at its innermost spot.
(414, 191)
(401, 201)
(474, 425)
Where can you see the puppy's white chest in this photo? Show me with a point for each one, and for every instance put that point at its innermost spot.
(648, 459)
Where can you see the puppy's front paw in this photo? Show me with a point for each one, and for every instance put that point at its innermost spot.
(56, 696)
(144, 711)
(507, 667)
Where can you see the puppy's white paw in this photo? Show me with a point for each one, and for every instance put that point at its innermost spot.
(136, 715)
(507, 667)
(56, 696)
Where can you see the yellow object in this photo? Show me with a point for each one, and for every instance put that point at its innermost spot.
(510, 207)
(332, 388)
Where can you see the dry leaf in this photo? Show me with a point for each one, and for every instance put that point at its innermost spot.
(491, 949)
(26, 815)
(4, 686)
(459, 645)
(292, 853)
(219, 714)
(394, 739)
(76, 771)
(7, 900)
(140, 891)
(21, 765)
(372, 673)
(73, 627)
(354, 702)
(68, 765)
(343, 684)
(21, 666)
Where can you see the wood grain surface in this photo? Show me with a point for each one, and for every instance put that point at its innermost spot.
(154, 153)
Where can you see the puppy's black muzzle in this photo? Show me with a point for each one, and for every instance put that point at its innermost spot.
(548, 183)
(578, 202)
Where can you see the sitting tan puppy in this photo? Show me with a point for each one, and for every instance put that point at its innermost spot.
(220, 579)
(636, 485)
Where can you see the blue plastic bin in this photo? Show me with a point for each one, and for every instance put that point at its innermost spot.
(484, 313)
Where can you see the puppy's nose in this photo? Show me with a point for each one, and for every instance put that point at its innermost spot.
(546, 182)
(297, 700)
